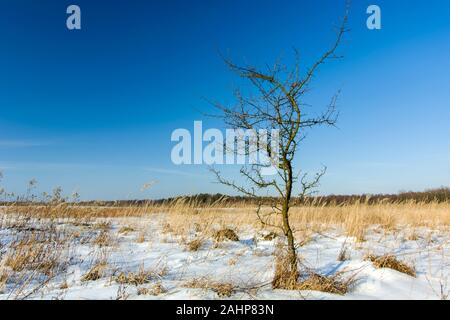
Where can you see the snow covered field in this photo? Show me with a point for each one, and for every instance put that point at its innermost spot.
(143, 258)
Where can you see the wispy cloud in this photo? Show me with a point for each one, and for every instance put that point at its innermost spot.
(20, 165)
(381, 164)
(22, 143)
(173, 172)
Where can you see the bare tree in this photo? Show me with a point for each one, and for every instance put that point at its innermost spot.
(279, 104)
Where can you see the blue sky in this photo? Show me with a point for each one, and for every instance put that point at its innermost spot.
(93, 110)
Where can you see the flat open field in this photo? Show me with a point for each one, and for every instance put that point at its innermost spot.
(354, 251)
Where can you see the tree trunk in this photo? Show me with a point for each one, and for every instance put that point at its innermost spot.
(292, 254)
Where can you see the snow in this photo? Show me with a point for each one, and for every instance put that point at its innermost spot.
(247, 264)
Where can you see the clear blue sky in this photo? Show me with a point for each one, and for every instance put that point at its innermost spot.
(93, 110)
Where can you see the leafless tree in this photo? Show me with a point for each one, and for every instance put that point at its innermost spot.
(279, 104)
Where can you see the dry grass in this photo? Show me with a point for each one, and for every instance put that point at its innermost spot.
(141, 237)
(75, 212)
(126, 230)
(136, 279)
(33, 254)
(64, 286)
(391, 262)
(103, 239)
(284, 276)
(331, 284)
(269, 236)
(287, 279)
(4, 276)
(221, 289)
(225, 234)
(142, 276)
(343, 253)
(355, 218)
(96, 272)
(156, 290)
(40, 247)
(103, 225)
(195, 244)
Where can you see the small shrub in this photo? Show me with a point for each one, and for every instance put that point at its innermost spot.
(221, 289)
(104, 225)
(142, 276)
(225, 234)
(64, 286)
(391, 262)
(156, 290)
(95, 273)
(143, 291)
(330, 284)
(195, 244)
(103, 239)
(33, 255)
(413, 236)
(135, 279)
(288, 279)
(126, 230)
(3, 280)
(343, 254)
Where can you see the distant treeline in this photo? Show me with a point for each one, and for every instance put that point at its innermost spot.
(220, 200)
(433, 195)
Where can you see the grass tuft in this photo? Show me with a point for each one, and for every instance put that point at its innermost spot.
(126, 230)
(225, 234)
(221, 289)
(391, 262)
(95, 273)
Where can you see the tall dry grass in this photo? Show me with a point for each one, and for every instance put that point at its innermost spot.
(43, 237)
(355, 218)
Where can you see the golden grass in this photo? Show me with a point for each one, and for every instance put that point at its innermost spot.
(126, 229)
(331, 284)
(214, 222)
(103, 239)
(96, 272)
(222, 289)
(32, 253)
(141, 237)
(4, 276)
(156, 290)
(355, 217)
(142, 276)
(195, 245)
(225, 234)
(287, 279)
(390, 261)
(138, 278)
(103, 225)
(181, 216)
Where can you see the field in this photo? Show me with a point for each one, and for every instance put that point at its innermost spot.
(185, 251)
